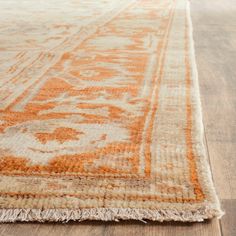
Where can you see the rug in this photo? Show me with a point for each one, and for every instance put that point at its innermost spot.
(100, 115)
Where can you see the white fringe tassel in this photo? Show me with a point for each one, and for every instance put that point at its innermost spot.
(107, 214)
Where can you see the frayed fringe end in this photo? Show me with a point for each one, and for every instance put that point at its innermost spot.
(107, 214)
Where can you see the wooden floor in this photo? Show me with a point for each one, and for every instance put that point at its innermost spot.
(214, 24)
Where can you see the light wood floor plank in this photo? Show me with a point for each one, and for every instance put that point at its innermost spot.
(53, 229)
(210, 228)
(228, 223)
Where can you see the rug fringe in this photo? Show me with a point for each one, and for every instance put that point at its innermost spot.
(108, 214)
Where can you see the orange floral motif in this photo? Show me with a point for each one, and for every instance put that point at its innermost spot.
(60, 134)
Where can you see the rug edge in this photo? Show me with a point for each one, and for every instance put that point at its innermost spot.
(108, 214)
(206, 170)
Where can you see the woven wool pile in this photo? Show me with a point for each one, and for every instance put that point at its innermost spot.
(100, 113)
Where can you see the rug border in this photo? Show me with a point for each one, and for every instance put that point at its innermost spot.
(206, 171)
(198, 213)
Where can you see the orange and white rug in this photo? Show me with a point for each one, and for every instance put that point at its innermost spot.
(100, 113)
